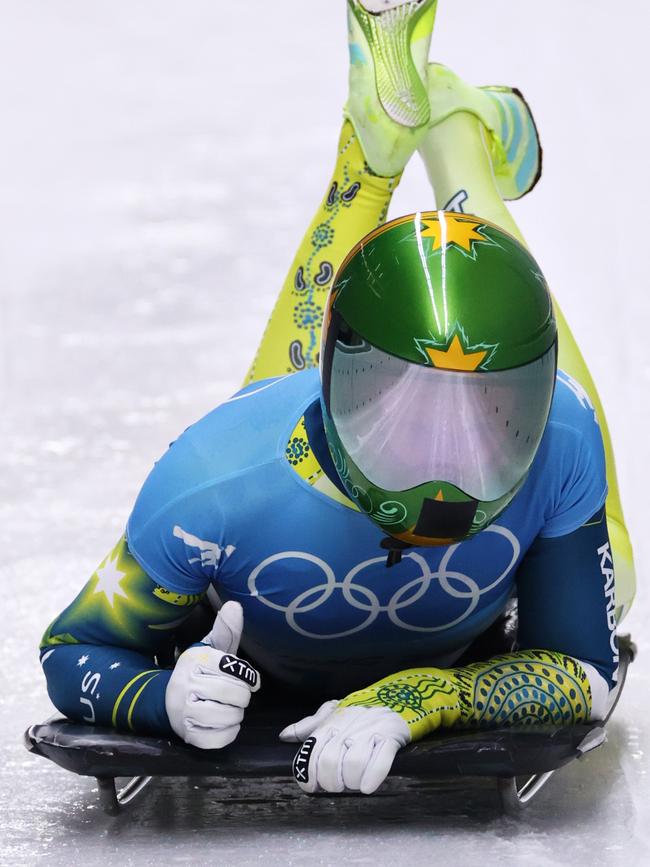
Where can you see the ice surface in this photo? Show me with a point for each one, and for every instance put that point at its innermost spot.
(158, 162)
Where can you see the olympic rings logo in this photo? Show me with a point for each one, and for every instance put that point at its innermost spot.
(361, 598)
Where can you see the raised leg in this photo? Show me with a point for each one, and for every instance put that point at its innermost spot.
(387, 113)
(355, 202)
(459, 159)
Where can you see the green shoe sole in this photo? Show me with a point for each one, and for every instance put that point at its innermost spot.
(390, 32)
(388, 99)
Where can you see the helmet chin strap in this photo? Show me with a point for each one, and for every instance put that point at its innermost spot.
(395, 547)
(440, 523)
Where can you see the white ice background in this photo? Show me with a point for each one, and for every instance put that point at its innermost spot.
(159, 161)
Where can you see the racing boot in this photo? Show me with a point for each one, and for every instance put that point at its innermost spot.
(512, 136)
(388, 102)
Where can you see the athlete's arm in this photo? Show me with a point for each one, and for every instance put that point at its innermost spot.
(567, 657)
(561, 674)
(99, 654)
(351, 744)
(566, 601)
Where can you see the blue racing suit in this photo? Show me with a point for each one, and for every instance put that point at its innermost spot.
(227, 507)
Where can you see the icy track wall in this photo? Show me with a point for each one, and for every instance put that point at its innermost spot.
(159, 163)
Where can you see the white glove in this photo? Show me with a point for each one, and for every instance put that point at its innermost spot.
(210, 686)
(346, 748)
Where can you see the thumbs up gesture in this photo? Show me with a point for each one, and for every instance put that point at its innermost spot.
(211, 686)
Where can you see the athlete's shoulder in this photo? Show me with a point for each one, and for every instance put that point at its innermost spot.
(251, 427)
(236, 447)
(572, 407)
(248, 430)
(570, 465)
(270, 399)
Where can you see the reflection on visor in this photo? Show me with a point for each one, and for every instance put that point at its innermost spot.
(405, 424)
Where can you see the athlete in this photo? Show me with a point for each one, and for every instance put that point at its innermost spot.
(362, 527)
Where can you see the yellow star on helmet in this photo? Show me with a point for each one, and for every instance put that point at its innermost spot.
(455, 357)
(456, 229)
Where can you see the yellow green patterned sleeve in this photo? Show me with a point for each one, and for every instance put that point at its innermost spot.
(525, 688)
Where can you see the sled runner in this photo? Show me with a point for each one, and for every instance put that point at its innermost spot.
(521, 759)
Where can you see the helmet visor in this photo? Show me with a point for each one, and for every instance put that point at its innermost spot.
(405, 424)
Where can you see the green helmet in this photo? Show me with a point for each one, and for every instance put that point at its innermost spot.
(438, 366)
